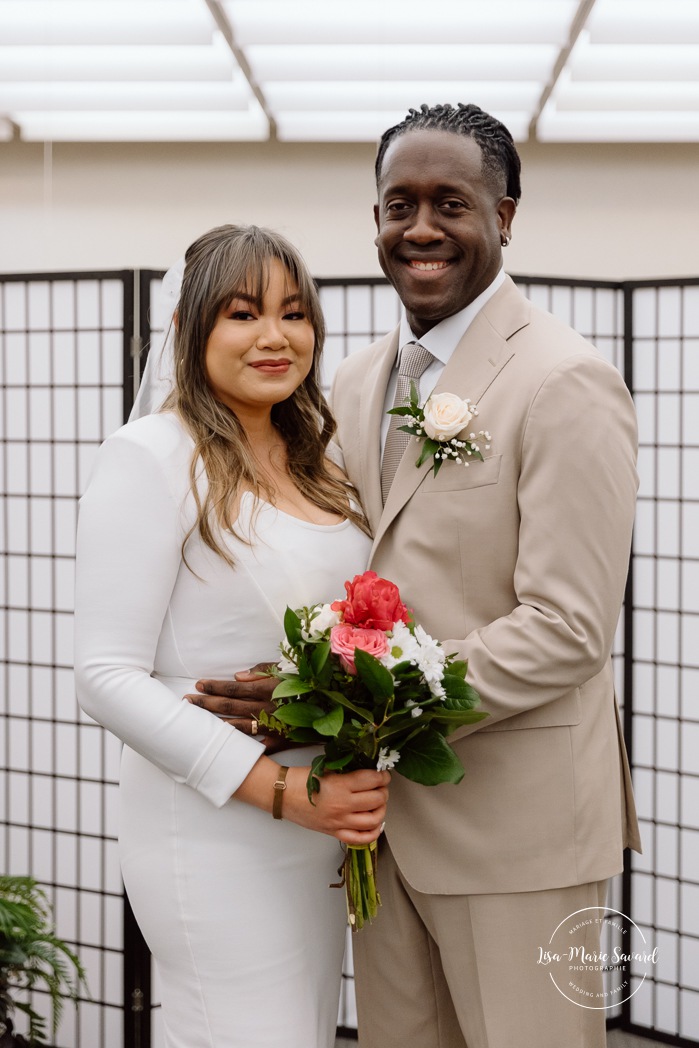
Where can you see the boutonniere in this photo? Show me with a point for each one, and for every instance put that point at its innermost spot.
(438, 424)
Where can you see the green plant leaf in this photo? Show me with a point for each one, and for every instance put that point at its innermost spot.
(299, 714)
(428, 449)
(331, 722)
(291, 687)
(307, 736)
(405, 410)
(313, 780)
(376, 677)
(339, 762)
(457, 668)
(292, 627)
(459, 694)
(319, 656)
(429, 760)
(338, 697)
(36, 956)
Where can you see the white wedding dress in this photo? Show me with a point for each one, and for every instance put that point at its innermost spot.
(235, 906)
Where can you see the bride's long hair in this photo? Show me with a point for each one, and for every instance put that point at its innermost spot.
(224, 261)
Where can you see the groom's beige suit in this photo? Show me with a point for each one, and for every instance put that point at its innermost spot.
(518, 563)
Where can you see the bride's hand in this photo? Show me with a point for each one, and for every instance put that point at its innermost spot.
(351, 806)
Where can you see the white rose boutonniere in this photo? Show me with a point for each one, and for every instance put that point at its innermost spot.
(440, 424)
(445, 415)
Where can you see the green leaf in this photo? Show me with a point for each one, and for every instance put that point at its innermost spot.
(339, 762)
(414, 395)
(457, 668)
(338, 697)
(268, 720)
(428, 449)
(429, 760)
(313, 782)
(400, 411)
(405, 671)
(319, 656)
(290, 687)
(459, 694)
(307, 736)
(330, 723)
(371, 672)
(299, 714)
(292, 627)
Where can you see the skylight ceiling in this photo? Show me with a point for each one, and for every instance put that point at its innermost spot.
(323, 70)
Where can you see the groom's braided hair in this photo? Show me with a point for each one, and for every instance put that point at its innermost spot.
(500, 157)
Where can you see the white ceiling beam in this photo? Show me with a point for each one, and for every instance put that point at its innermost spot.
(338, 96)
(629, 97)
(281, 62)
(617, 127)
(133, 126)
(58, 22)
(109, 97)
(645, 22)
(635, 62)
(400, 21)
(20, 63)
(364, 126)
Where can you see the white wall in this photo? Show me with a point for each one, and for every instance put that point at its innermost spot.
(602, 211)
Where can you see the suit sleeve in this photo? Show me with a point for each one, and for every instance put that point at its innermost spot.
(128, 558)
(576, 499)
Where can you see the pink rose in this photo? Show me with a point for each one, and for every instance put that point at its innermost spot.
(345, 639)
(372, 603)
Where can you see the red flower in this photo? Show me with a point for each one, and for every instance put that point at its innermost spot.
(345, 639)
(372, 603)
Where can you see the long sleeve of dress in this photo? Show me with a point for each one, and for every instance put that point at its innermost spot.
(128, 560)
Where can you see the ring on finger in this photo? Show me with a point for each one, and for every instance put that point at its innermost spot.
(253, 726)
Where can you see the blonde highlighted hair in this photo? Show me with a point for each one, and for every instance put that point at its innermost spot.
(225, 261)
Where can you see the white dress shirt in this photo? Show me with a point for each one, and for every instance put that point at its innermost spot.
(441, 341)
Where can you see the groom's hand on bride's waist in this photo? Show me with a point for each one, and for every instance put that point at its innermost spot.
(240, 701)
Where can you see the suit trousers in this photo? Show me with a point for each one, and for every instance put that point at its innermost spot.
(461, 971)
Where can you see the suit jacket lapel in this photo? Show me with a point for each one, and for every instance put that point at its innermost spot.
(371, 409)
(474, 365)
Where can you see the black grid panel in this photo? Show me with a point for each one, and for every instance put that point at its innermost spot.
(62, 352)
(65, 382)
(663, 323)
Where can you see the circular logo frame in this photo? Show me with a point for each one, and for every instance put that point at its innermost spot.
(567, 956)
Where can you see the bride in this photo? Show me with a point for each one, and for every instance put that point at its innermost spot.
(200, 524)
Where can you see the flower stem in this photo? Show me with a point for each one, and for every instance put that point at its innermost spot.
(363, 899)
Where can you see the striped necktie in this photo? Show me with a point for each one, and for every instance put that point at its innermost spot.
(414, 360)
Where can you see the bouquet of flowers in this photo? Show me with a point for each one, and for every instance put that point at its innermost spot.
(362, 679)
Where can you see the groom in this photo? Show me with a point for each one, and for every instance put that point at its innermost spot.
(518, 564)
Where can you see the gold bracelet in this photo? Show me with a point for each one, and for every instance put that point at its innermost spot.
(279, 787)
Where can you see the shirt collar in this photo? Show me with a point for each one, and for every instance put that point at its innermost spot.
(444, 337)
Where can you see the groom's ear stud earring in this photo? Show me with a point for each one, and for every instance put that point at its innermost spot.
(504, 240)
